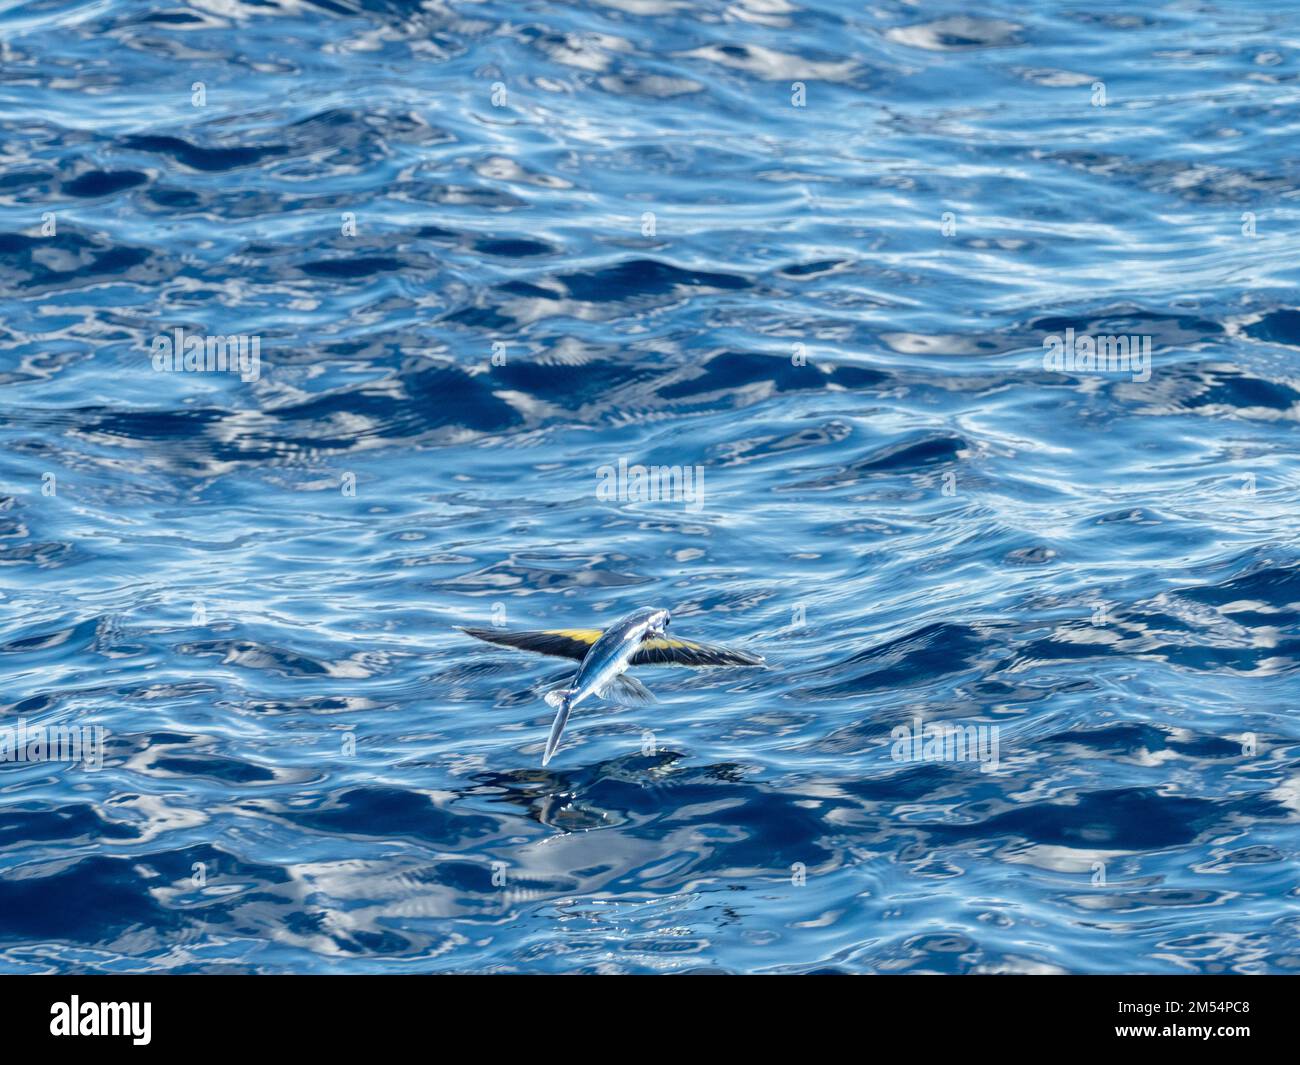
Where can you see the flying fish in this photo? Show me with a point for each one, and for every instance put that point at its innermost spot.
(640, 639)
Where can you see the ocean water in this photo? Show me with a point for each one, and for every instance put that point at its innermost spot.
(842, 264)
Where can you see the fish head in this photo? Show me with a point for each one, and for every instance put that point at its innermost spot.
(644, 624)
(657, 625)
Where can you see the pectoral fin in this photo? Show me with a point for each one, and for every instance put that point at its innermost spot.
(626, 691)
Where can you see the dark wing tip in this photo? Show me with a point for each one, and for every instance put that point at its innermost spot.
(478, 634)
(727, 656)
(672, 651)
(562, 643)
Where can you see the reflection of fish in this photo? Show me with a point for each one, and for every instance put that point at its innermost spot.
(639, 639)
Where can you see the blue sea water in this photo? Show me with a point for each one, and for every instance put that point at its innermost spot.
(818, 250)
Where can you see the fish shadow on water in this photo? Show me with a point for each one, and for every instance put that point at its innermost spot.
(617, 791)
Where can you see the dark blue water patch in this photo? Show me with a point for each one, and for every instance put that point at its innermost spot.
(901, 457)
(17, 179)
(1121, 819)
(917, 658)
(1166, 329)
(351, 267)
(631, 282)
(378, 942)
(388, 812)
(429, 399)
(756, 448)
(174, 199)
(1281, 326)
(70, 823)
(439, 396)
(50, 640)
(172, 18)
(227, 769)
(32, 705)
(96, 183)
(727, 371)
(1196, 655)
(197, 157)
(1276, 586)
(1226, 386)
(1204, 184)
(1133, 739)
(508, 248)
(66, 260)
(52, 906)
(571, 385)
(638, 278)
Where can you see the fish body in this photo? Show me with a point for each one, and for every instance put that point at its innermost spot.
(607, 660)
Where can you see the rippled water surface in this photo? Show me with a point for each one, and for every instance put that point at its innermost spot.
(815, 250)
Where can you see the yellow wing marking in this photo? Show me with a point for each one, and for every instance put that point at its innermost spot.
(585, 635)
(661, 643)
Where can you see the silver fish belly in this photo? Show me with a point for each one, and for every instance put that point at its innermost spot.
(608, 658)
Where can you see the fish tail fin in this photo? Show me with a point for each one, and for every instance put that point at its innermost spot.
(556, 696)
(557, 726)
